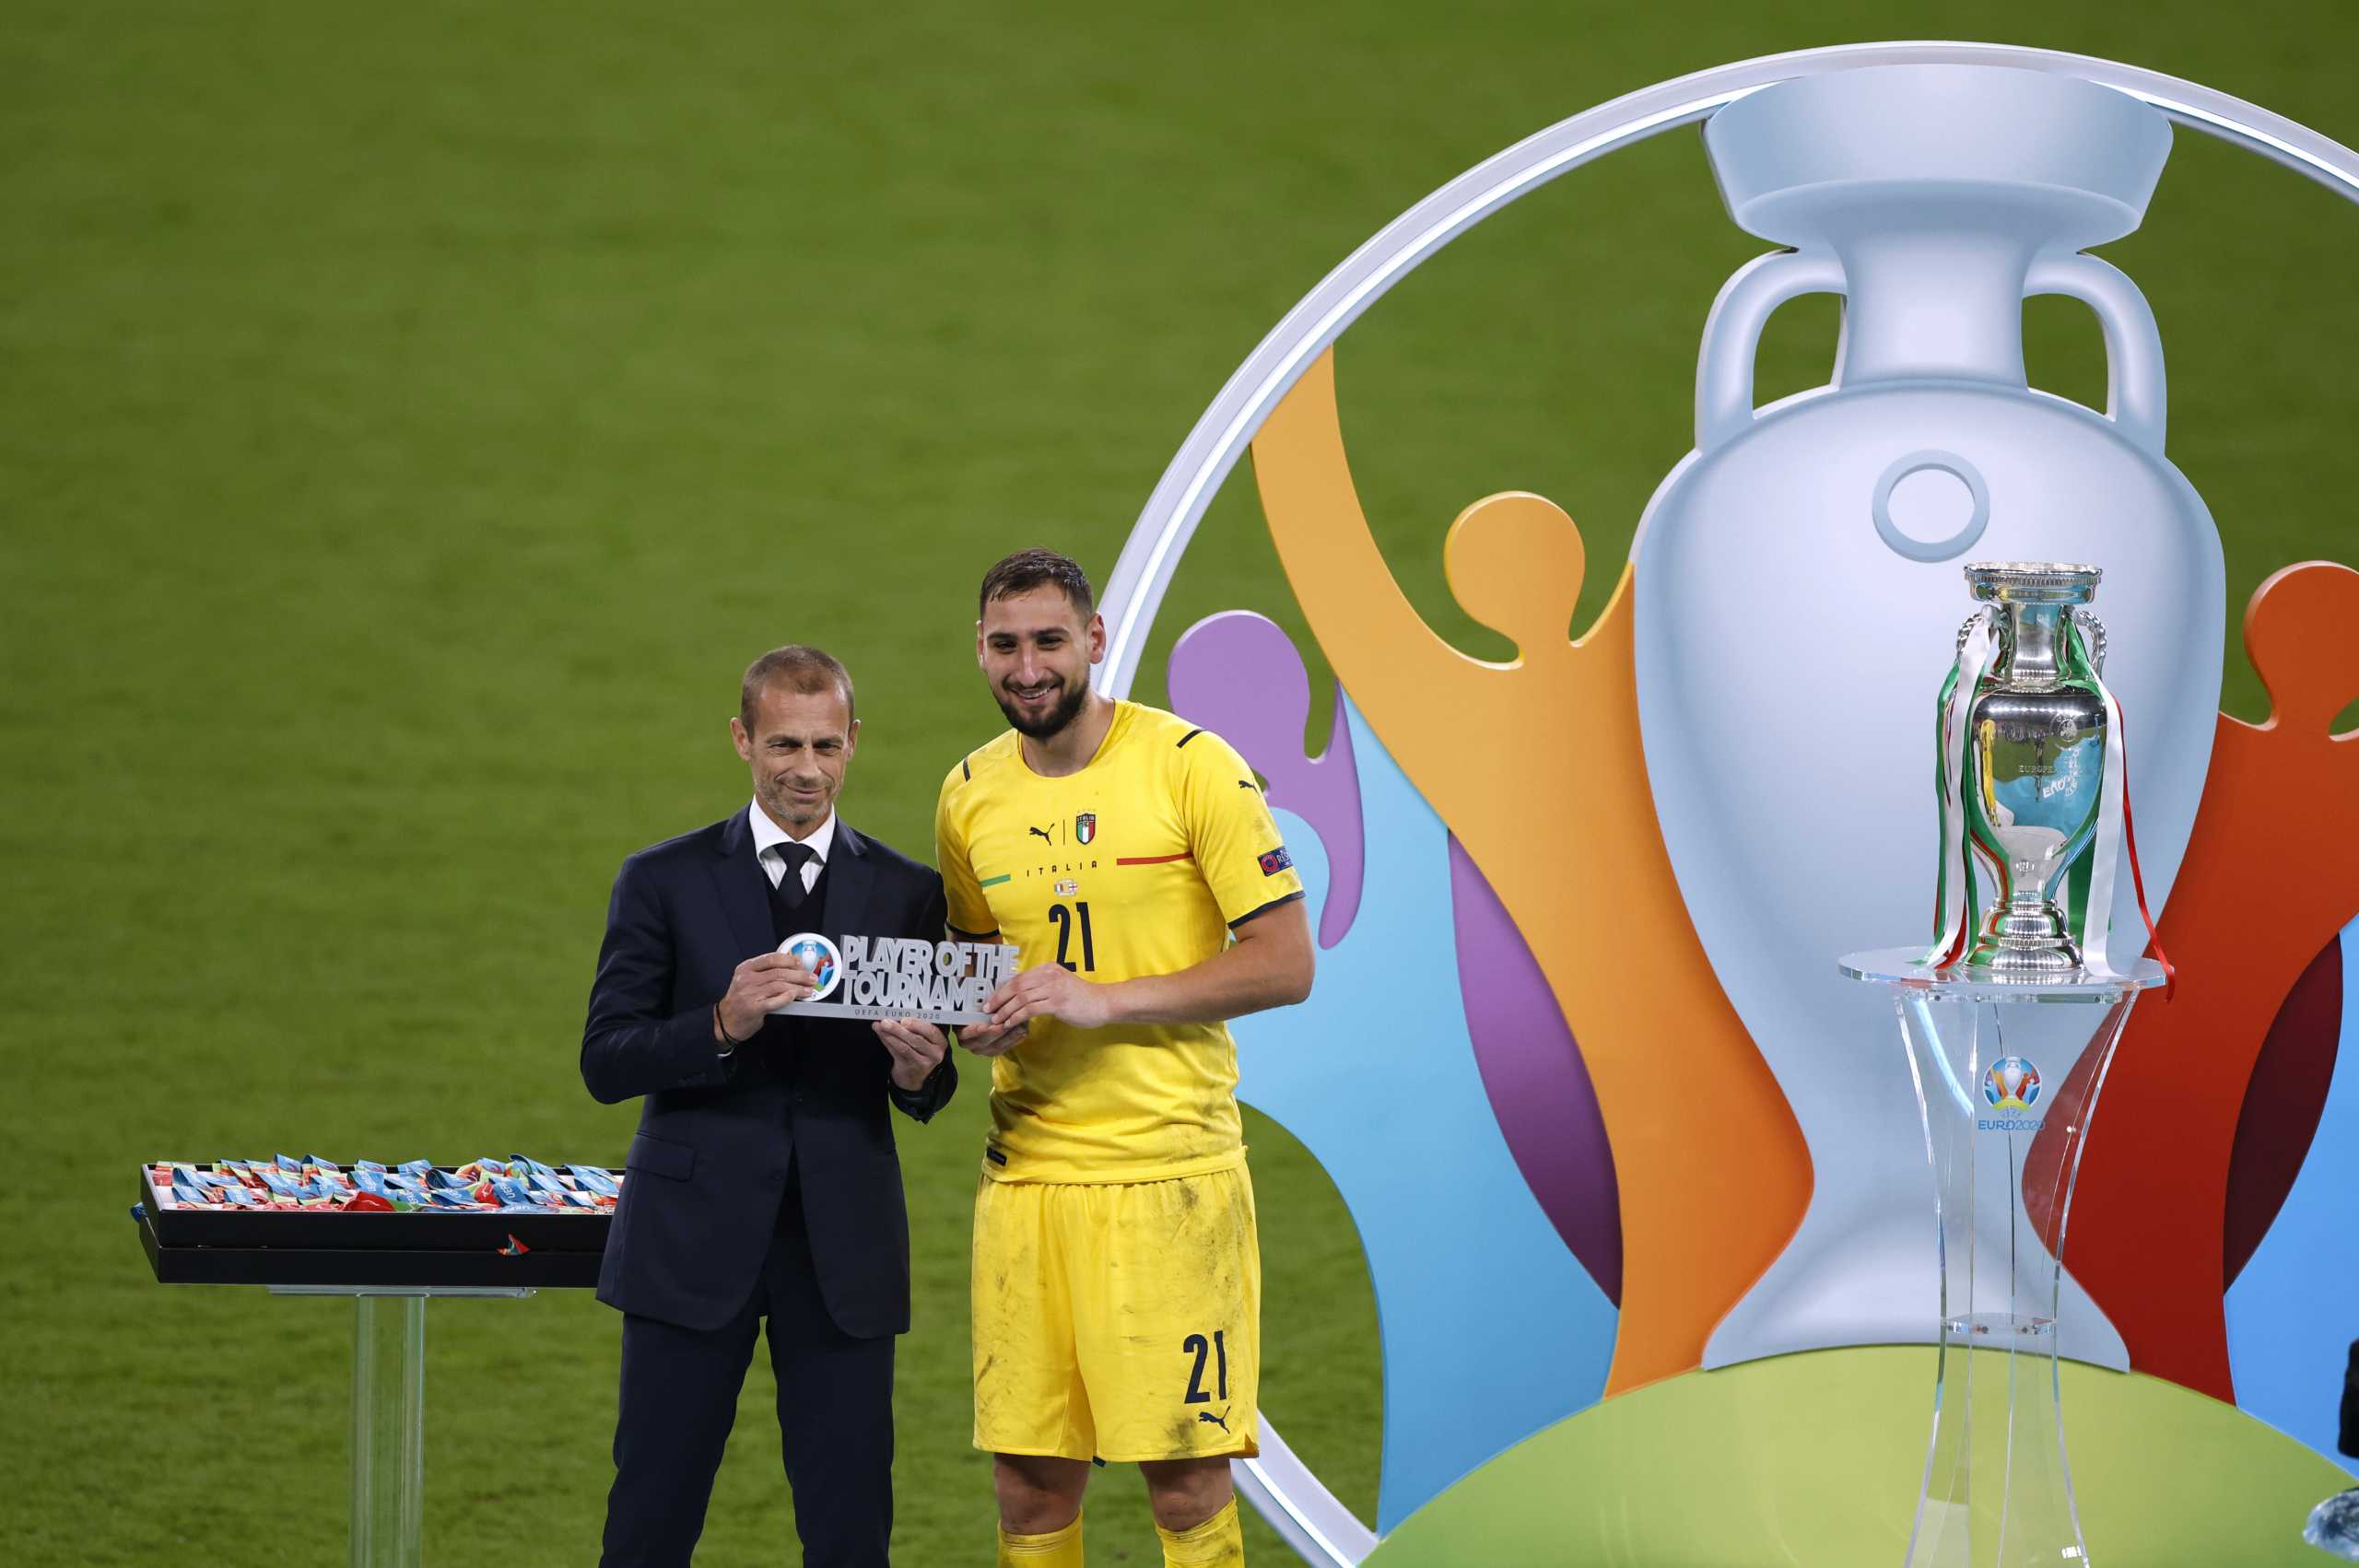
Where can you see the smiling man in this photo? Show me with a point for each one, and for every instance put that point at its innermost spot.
(1117, 1274)
(763, 1182)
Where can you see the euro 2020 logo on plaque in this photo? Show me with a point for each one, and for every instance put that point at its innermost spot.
(820, 956)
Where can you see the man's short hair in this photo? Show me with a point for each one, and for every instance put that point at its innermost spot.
(798, 667)
(1029, 569)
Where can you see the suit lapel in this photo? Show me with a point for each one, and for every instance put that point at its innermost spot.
(850, 881)
(744, 891)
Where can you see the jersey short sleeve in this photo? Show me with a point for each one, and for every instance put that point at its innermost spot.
(1233, 837)
(969, 915)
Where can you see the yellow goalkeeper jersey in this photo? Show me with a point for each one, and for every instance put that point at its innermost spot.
(1141, 863)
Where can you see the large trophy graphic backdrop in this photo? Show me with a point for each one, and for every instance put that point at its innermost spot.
(1933, 198)
(1691, 1228)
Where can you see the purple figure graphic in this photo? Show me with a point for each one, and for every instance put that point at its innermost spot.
(1532, 1071)
(1237, 674)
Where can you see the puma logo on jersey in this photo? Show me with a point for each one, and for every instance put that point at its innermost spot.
(1039, 832)
(1220, 1421)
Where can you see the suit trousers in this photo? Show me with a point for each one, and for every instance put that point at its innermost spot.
(679, 1398)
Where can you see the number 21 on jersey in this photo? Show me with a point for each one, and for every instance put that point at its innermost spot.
(1066, 918)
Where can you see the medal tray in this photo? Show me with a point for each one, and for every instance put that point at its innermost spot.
(336, 1230)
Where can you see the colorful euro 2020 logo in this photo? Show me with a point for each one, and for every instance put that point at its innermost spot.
(2012, 1084)
(818, 955)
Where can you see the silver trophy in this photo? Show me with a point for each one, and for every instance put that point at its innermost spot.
(2026, 733)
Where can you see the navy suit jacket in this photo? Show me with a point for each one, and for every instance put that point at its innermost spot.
(709, 1164)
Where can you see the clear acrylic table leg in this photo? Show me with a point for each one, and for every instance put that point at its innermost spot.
(2007, 1077)
(1991, 1076)
(1943, 1532)
(388, 1431)
(389, 1413)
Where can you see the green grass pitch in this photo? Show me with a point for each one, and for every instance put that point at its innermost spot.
(413, 417)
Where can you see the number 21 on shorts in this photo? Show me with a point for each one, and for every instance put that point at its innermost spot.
(1215, 1349)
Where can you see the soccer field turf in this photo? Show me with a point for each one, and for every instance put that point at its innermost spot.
(414, 417)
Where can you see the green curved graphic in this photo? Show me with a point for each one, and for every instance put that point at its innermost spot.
(1816, 1461)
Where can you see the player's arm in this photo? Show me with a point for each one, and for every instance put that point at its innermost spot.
(1235, 846)
(1269, 964)
(968, 916)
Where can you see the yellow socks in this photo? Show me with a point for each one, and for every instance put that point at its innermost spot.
(1058, 1548)
(1218, 1543)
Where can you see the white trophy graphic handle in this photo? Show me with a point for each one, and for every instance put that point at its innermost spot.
(1732, 336)
(2136, 393)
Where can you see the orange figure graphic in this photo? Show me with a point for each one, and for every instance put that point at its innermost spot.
(1535, 765)
(2271, 875)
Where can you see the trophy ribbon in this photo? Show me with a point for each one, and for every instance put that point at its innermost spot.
(2129, 839)
(2113, 808)
(2113, 797)
(1977, 648)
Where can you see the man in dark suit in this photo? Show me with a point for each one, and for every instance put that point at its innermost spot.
(762, 1182)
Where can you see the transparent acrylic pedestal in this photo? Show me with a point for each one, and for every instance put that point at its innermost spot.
(1997, 1062)
(389, 1413)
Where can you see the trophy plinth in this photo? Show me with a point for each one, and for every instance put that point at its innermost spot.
(1995, 1058)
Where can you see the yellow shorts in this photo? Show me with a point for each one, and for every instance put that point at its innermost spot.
(1121, 1321)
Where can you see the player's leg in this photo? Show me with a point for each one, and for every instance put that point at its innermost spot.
(1168, 1323)
(1195, 1512)
(1039, 1509)
(679, 1399)
(1031, 1413)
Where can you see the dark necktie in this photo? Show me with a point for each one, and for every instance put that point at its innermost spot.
(794, 856)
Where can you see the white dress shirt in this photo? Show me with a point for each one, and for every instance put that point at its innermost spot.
(769, 836)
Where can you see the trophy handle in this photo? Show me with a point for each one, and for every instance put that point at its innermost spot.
(2135, 396)
(2097, 635)
(1732, 334)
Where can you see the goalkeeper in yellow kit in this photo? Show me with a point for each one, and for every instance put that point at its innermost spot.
(1117, 1275)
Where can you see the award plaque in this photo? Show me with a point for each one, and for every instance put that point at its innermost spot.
(883, 977)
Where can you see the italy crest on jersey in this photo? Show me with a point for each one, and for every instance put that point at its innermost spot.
(1084, 827)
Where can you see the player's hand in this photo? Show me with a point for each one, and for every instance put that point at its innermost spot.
(1050, 990)
(918, 1048)
(988, 1039)
(770, 980)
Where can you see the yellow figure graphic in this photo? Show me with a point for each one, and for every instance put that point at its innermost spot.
(1535, 765)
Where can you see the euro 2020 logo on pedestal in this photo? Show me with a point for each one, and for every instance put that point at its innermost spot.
(2011, 1087)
